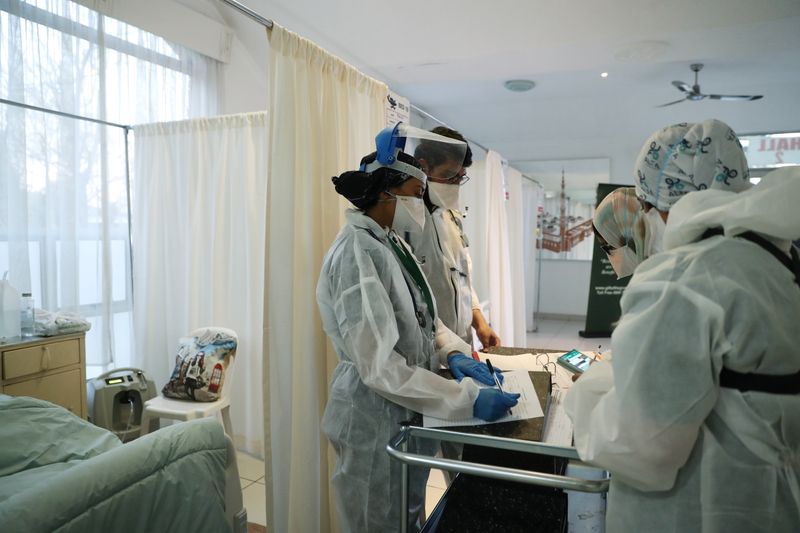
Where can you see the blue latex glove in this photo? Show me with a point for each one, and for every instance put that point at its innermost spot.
(493, 403)
(462, 366)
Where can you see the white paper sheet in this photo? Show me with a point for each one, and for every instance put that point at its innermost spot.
(558, 427)
(527, 407)
(525, 361)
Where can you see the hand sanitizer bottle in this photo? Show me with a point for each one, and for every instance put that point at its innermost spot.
(27, 315)
(9, 311)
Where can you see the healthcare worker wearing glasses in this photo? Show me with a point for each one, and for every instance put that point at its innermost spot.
(379, 311)
(442, 246)
(696, 415)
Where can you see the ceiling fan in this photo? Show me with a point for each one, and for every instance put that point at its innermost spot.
(693, 91)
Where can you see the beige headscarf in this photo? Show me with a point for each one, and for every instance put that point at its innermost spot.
(618, 219)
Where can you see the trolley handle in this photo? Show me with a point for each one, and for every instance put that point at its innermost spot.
(398, 442)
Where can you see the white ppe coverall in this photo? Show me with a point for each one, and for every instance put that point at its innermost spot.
(443, 250)
(686, 454)
(383, 376)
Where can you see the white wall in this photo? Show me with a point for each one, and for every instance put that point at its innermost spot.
(564, 287)
(245, 80)
(564, 284)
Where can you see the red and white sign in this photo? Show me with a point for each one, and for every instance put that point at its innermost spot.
(772, 151)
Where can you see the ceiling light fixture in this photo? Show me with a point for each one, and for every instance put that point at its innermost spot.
(519, 86)
(604, 74)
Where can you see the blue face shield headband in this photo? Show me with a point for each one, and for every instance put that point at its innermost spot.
(388, 143)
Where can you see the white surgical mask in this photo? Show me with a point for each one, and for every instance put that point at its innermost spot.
(409, 214)
(624, 261)
(444, 195)
(654, 234)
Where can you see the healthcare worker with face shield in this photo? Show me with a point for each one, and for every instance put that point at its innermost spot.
(379, 311)
(696, 414)
(443, 247)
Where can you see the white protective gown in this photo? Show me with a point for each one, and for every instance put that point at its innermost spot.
(684, 453)
(383, 376)
(443, 250)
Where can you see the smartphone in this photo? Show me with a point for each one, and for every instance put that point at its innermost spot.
(575, 361)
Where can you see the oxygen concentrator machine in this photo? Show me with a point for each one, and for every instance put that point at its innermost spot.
(116, 400)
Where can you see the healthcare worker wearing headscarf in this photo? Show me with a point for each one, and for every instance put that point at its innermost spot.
(620, 229)
(696, 414)
(377, 308)
(442, 246)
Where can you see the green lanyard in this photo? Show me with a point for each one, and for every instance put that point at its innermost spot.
(412, 267)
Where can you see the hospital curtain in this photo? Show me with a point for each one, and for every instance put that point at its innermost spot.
(198, 236)
(514, 219)
(532, 196)
(63, 191)
(324, 117)
(473, 198)
(501, 310)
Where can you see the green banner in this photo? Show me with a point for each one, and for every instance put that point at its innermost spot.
(605, 289)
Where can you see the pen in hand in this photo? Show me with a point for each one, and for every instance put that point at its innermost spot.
(496, 380)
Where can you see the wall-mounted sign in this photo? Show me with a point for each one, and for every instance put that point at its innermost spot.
(396, 109)
(772, 150)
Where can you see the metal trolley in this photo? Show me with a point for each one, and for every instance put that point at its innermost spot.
(398, 446)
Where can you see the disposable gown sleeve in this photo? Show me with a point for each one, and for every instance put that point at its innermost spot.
(446, 341)
(639, 416)
(369, 329)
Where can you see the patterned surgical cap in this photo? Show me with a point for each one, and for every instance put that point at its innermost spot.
(679, 159)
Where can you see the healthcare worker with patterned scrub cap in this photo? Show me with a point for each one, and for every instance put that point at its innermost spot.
(696, 416)
(378, 310)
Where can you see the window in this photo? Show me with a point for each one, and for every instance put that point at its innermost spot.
(64, 220)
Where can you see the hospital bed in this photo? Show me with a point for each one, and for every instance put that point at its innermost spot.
(61, 473)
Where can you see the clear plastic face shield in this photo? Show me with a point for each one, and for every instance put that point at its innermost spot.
(433, 148)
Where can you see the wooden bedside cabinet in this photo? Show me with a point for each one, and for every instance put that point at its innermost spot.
(48, 368)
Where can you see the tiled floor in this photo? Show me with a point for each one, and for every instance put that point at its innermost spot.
(251, 475)
(555, 334)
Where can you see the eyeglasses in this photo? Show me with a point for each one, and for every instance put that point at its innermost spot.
(456, 180)
(607, 248)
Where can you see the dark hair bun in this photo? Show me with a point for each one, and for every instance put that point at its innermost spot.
(363, 189)
(355, 186)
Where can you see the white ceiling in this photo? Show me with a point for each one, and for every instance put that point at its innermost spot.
(450, 58)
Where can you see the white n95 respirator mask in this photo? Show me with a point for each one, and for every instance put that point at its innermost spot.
(444, 195)
(623, 261)
(409, 214)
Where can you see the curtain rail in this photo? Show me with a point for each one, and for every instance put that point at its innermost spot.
(249, 12)
(63, 114)
(268, 23)
(126, 129)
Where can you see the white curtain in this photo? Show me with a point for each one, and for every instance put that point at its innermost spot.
(325, 115)
(516, 255)
(198, 235)
(532, 197)
(474, 198)
(63, 191)
(501, 310)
